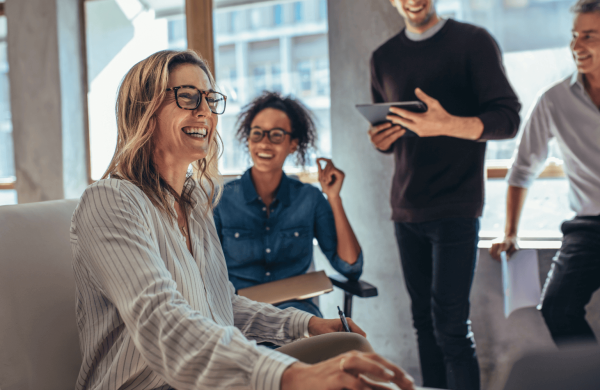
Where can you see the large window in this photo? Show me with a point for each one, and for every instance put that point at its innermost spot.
(276, 46)
(7, 162)
(119, 33)
(534, 37)
(271, 45)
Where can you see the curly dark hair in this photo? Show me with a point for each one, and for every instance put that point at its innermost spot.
(301, 121)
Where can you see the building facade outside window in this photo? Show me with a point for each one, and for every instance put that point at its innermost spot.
(7, 160)
(283, 46)
(276, 46)
(534, 37)
(119, 33)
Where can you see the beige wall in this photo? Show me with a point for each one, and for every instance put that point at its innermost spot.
(48, 100)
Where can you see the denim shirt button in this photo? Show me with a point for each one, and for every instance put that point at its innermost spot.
(268, 274)
(272, 210)
(236, 235)
(268, 228)
(264, 209)
(268, 250)
(296, 234)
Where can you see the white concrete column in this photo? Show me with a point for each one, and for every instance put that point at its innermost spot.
(241, 65)
(48, 98)
(285, 54)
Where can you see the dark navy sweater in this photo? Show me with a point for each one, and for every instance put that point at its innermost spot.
(461, 67)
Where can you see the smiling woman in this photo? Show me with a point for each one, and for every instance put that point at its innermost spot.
(155, 308)
(153, 146)
(267, 221)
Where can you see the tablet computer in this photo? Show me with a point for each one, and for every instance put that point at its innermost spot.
(376, 113)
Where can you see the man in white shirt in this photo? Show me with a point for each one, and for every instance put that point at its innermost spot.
(570, 112)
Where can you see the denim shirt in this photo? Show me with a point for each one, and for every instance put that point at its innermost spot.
(260, 249)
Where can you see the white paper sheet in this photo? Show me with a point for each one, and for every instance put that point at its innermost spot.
(520, 280)
(390, 385)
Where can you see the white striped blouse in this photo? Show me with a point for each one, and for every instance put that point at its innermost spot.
(152, 316)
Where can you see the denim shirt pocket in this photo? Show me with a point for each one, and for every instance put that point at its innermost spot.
(294, 243)
(241, 246)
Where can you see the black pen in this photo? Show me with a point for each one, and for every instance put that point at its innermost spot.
(343, 318)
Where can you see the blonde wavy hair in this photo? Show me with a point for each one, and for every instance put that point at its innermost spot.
(141, 93)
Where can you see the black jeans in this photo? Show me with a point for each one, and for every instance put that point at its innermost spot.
(438, 259)
(574, 276)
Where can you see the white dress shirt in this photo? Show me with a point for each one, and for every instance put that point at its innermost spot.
(565, 112)
(152, 316)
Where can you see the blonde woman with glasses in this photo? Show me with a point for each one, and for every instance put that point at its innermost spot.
(155, 309)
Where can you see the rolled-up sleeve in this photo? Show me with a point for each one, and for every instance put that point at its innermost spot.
(532, 152)
(187, 349)
(326, 235)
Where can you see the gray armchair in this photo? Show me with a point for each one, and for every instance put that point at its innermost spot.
(39, 346)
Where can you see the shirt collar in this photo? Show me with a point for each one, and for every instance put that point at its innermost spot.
(577, 78)
(195, 202)
(428, 33)
(250, 194)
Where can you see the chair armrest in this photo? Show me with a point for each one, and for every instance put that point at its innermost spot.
(360, 288)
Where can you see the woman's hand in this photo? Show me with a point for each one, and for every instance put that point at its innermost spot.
(317, 326)
(330, 177)
(347, 372)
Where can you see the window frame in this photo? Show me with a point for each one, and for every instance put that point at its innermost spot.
(9, 184)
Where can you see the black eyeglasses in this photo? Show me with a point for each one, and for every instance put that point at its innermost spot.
(276, 135)
(189, 98)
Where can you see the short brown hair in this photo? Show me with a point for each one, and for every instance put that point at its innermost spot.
(586, 6)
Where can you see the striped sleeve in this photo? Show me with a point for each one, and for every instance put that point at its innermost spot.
(187, 349)
(264, 322)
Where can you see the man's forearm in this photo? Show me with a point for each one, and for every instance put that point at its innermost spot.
(469, 128)
(515, 198)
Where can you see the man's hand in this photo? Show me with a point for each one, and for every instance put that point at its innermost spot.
(436, 121)
(384, 135)
(507, 244)
(345, 372)
(330, 177)
(317, 326)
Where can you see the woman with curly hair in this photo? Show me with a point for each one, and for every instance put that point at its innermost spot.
(267, 221)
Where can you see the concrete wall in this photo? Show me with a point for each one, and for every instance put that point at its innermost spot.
(356, 28)
(48, 98)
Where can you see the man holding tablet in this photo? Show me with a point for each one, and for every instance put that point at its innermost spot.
(437, 191)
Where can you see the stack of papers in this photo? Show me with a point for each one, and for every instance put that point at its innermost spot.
(520, 280)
